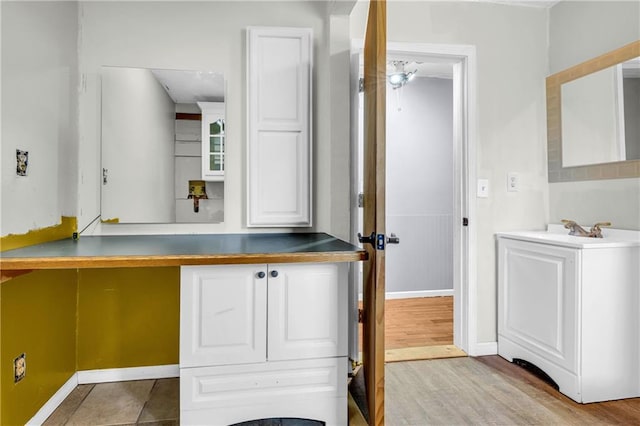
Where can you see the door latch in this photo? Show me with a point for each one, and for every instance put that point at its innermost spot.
(371, 239)
(378, 240)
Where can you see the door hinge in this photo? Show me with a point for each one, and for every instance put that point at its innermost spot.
(105, 174)
(360, 199)
(360, 85)
(360, 316)
(465, 221)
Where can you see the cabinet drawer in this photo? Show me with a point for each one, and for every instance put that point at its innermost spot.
(264, 383)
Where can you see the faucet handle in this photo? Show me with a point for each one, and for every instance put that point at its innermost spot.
(568, 223)
(595, 230)
(599, 224)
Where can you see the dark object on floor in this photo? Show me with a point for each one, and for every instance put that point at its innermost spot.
(281, 422)
(359, 393)
(537, 371)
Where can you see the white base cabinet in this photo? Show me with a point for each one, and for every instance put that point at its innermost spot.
(263, 341)
(572, 312)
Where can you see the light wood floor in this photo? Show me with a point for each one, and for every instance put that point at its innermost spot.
(421, 321)
(419, 328)
(488, 390)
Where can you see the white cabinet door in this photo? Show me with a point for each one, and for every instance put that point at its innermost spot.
(223, 311)
(538, 300)
(307, 311)
(213, 140)
(279, 126)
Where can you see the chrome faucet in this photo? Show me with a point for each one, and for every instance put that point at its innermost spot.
(575, 229)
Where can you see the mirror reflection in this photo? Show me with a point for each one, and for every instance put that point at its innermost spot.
(163, 140)
(600, 116)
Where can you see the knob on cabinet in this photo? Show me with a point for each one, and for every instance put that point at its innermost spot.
(260, 275)
(274, 274)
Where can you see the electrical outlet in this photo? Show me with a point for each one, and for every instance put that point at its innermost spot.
(19, 368)
(22, 161)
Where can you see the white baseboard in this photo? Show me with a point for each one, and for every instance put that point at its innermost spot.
(50, 406)
(482, 349)
(101, 376)
(414, 294)
(132, 373)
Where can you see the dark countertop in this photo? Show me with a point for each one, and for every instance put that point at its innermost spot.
(175, 250)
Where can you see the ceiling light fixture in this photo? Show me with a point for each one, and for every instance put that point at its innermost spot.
(398, 76)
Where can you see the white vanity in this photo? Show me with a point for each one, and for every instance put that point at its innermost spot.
(263, 341)
(571, 306)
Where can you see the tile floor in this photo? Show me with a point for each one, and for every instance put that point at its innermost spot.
(143, 402)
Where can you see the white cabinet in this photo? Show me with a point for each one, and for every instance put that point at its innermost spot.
(223, 315)
(573, 312)
(213, 140)
(262, 341)
(279, 67)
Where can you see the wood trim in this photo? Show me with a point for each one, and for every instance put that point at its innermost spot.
(375, 58)
(10, 265)
(188, 116)
(613, 170)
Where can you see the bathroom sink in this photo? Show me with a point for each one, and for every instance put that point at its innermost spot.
(557, 235)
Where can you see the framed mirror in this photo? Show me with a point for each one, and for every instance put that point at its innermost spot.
(156, 131)
(588, 137)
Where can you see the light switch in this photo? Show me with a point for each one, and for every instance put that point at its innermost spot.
(483, 188)
(513, 182)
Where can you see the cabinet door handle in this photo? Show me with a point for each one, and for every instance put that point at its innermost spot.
(260, 275)
(274, 274)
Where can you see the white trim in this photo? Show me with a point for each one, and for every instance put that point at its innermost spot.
(420, 293)
(483, 349)
(465, 238)
(132, 373)
(413, 294)
(50, 406)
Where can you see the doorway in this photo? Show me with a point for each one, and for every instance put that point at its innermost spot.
(433, 257)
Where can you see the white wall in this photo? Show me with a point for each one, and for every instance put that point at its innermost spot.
(511, 44)
(420, 185)
(209, 36)
(138, 139)
(39, 113)
(579, 31)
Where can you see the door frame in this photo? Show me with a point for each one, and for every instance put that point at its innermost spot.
(463, 58)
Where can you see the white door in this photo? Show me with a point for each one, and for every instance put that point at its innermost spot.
(223, 312)
(279, 126)
(307, 311)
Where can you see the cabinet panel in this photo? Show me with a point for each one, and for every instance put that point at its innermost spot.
(279, 126)
(307, 311)
(310, 389)
(538, 300)
(289, 203)
(223, 312)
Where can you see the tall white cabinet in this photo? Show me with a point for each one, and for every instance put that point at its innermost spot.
(263, 341)
(279, 75)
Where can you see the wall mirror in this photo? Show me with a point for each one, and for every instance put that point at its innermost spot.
(163, 138)
(592, 127)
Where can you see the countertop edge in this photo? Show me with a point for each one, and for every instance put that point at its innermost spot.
(130, 261)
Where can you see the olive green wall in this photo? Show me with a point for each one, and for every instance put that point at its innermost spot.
(128, 317)
(38, 318)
